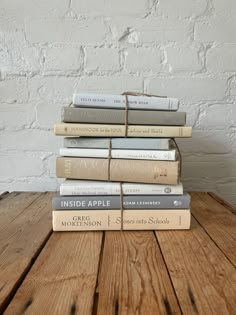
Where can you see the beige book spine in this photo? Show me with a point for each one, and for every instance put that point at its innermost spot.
(94, 130)
(140, 171)
(99, 220)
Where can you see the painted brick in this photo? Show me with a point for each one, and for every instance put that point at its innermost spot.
(111, 8)
(233, 87)
(150, 30)
(217, 116)
(222, 58)
(182, 8)
(14, 90)
(33, 7)
(210, 142)
(36, 183)
(192, 89)
(101, 59)
(51, 88)
(65, 31)
(216, 29)
(48, 113)
(31, 140)
(25, 59)
(228, 188)
(17, 164)
(206, 170)
(113, 84)
(192, 113)
(63, 58)
(16, 116)
(183, 58)
(225, 8)
(143, 59)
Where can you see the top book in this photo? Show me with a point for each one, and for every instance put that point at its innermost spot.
(118, 101)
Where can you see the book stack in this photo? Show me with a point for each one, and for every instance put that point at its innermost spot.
(121, 164)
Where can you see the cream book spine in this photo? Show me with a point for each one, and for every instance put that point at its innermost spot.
(137, 171)
(101, 220)
(93, 130)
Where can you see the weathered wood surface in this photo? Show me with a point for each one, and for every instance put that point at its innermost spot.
(25, 225)
(142, 272)
(203, 277)
(63, 278)
(133, 277)
(218, 220)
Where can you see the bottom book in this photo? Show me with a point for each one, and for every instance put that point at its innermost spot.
(102, 220)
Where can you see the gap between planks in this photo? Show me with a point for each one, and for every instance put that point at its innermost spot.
(213, 224)
(12, 218)
(222, 202)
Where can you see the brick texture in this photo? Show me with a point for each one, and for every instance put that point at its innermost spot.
(52, 49)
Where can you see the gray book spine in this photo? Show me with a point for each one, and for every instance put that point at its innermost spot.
(129, 202)
(80, 142)
(117, 116)
(86, 202)
(118, 143)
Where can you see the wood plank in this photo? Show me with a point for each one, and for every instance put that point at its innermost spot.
(25, 226)
(12, 205)
(133, 278)
(3, 193)
(63, 278)
(223, 202)
(218, 221)
(203, 278)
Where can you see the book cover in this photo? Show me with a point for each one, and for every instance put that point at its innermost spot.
(144, 171)
(114, 202)
(90, 188)
(95, 130)
(118, 101)
(117, 116)
(164, 155)
(119, 143)
(100, 220)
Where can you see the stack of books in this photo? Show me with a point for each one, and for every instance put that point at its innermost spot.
(121, 164)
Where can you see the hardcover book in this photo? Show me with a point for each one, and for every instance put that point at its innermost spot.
(91, 188)
(164, 155)
(119, 143)
(100, 220)
(118, 101)
(139, 171)
(114, 202)
(117, 116)
(95, 130)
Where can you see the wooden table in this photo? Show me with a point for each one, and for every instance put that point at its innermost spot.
(141, 272)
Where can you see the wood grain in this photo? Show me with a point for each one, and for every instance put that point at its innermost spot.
(12, 205)
(63, 279)
(3, 193)
(25, 224)
(133, 277)
(219, 222)
(222, 202)
(203, 278)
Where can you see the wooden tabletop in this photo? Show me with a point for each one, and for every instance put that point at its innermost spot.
(138, 272)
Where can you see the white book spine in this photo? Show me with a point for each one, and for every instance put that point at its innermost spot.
(83, 188)
(87, 188)
(100, 153)
(168, 155)
(165, 155)
(118, 101)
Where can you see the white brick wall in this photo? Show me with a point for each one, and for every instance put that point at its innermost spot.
(51, 49)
